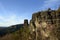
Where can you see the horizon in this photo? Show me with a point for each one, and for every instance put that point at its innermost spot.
(15, 11)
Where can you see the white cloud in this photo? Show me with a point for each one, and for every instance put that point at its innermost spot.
(1, 18)
(51, 4)
(8, 18)
(12, 20)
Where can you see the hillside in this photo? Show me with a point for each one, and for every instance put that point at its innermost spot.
(10, 29)
(44, 25)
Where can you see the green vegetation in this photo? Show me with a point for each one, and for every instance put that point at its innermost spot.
(22, 34)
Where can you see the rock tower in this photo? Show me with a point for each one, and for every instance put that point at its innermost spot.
(25, 22)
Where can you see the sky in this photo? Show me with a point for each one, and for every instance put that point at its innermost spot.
(15, 11)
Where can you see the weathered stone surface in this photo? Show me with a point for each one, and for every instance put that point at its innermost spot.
(47, 24)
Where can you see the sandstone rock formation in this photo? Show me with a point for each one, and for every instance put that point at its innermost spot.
(46, 24)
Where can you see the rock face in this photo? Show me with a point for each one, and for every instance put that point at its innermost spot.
(25, 22)
(46, 24)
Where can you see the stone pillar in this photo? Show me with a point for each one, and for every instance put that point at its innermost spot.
(25, 22)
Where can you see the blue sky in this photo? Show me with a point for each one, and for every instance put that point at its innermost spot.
(15, 11)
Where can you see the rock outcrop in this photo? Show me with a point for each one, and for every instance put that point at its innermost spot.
(46, 24)
(25, 22)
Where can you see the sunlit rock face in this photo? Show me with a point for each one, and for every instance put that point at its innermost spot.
(46, 22)
(46, 30)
